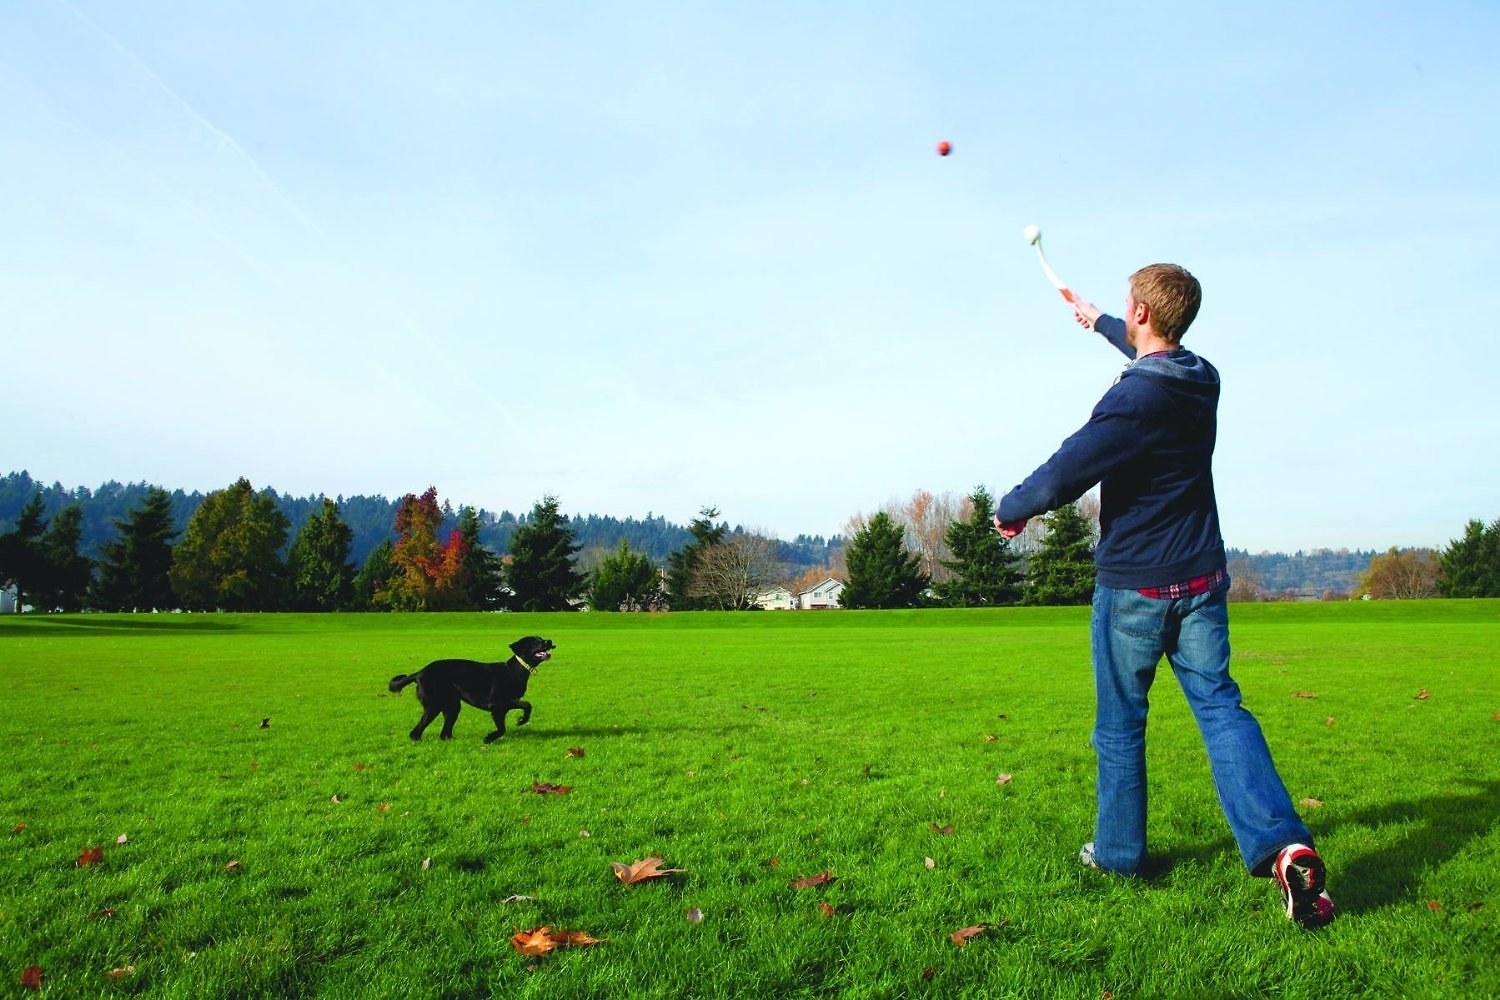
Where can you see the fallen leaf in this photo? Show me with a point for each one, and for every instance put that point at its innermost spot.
(640, 871)
(1475, 906)
(108, 911)
(426, 863)
(541, 940)
(120, 972)
(21, 826)
(961, 936)
(358, 766)
(1495, 717)
(518, 899)
(547, 788)
(1304, 694)
(1434, 905)
(931, 864)
(233, 866)
(1002, 715)
(775, 862)
(336, 800)
(928, 973)
(384, 807)
(1313, 803)
(990, 737)
(1330, 720)
(265, 723)
(121, 839)
(1423, 695)
(1106, 995)
(584, 834)
(31, 977)
(1002, 779)
(944, 830)
(813, 881)
(828, 911)
(694, 916)
(90, 856)
(575, 751)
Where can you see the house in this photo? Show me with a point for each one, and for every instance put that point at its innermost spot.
(824, 595)
(774, 599)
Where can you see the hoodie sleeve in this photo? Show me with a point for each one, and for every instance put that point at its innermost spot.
(1114, 434)
(1112, 329)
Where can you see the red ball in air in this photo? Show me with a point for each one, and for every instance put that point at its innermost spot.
(944, 148)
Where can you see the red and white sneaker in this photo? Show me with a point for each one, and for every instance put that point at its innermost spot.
(1300, 873)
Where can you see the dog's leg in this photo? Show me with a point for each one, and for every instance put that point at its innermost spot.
(525, 707)
(450, 716)
(498, 715)
(428, 714)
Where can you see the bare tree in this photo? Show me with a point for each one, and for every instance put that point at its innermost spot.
(924, 519)
(1402, 574)
(731, 573)
(1244, 581)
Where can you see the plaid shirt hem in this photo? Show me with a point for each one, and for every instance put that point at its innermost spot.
(1187, 588)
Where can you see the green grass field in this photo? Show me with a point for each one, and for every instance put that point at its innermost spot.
(328, 855)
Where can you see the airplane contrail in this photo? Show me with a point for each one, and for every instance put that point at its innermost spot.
(222, 139)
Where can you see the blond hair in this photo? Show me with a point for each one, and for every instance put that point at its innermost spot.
(1173, 296)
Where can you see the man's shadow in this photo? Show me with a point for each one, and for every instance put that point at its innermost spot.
(1434, 829)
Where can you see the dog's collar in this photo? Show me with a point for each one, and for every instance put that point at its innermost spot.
(530, 668)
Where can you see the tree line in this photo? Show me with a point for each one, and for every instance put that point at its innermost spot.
(237, 552)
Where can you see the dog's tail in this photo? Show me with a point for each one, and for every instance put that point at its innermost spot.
(400, 681)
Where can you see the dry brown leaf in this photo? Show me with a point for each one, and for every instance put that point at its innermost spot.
(930, 863)
(232, 866)
(108, 911)
(694, 916)
(961, 936)
(1423, 695)
(358, 766)
(575, 751)
(1002, 778)
(541, 940)
(640, 871)
(518, 899)
(827, 910)
(121, 839)
(990, 737)
(1304, 694)
(90, 856)
(813, 881)
(384, 807)
(1330, 720)
(547, 788)
(1434, 905)
(1313, 803)
(32, 978)
(946, 831)
(21, 826)
(928, 973)
(120, 972)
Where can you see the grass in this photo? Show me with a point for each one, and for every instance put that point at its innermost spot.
(750, 750)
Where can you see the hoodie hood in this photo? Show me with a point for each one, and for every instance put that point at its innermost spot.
(1181, 365)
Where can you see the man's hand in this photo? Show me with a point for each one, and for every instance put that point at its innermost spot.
(1009, 529)
(1086, 313)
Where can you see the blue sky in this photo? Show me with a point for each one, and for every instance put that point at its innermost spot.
(647, 257)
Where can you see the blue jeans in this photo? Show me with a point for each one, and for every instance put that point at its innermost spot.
(1130, 634)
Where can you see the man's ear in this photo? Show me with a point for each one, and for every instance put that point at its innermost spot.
(1142, 314)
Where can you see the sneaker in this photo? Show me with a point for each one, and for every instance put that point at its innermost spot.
(1300, 873)
(1086, 857)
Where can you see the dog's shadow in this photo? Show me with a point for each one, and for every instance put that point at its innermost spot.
(632, 728)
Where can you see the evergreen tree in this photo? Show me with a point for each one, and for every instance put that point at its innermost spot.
(319, 572)
(133, 567)
(66, 574)
(882, 574)
(228, 558)
(621, 577)
(1062, 571)
(542, 577)
(479, 576)
(1471, 564)
(986, 571)
(23, 565)
(682, 565)
(374, 576)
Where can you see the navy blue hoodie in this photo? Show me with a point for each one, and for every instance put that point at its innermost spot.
(1150, 444)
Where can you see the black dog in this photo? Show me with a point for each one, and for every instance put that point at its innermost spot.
(444, 685)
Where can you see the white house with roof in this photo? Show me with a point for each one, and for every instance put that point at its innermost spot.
(776, 599)
(824, 595)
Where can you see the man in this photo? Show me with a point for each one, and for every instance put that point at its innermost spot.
(1161, 589)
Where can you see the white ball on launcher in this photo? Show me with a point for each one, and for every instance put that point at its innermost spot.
(1032, 234)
